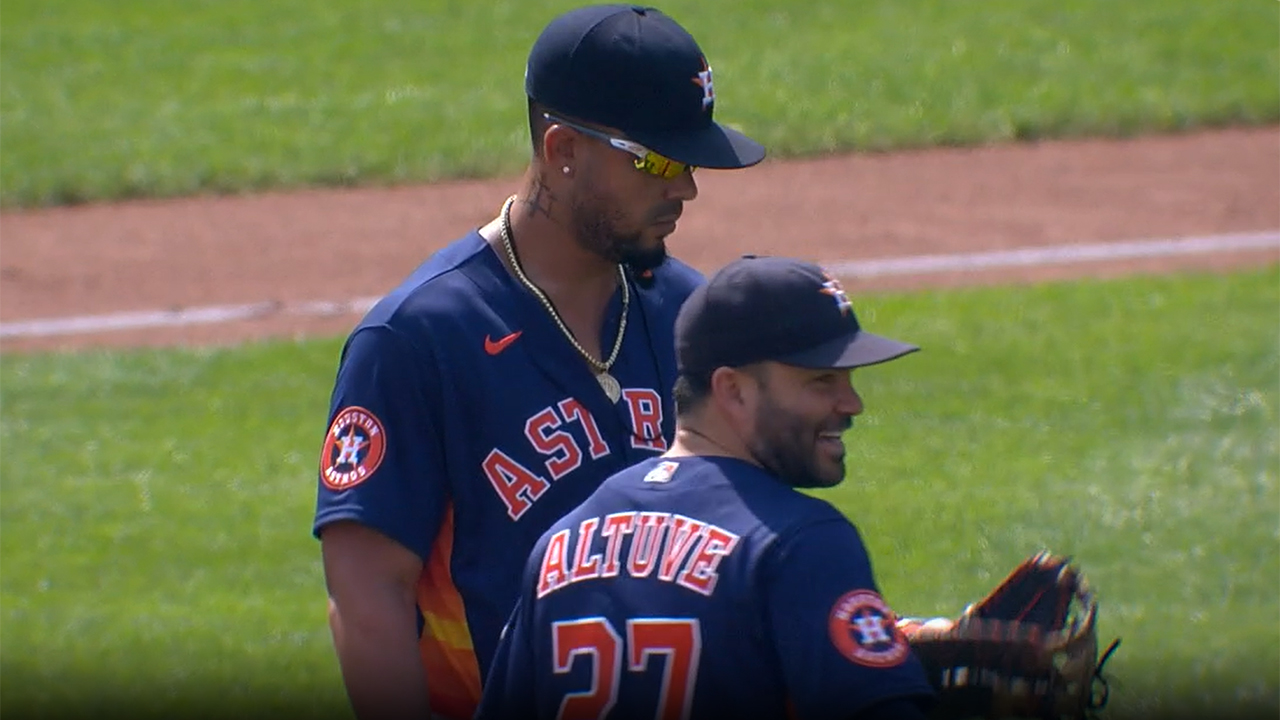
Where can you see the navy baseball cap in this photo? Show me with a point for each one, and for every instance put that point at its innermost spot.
(771, 308)
(635, 69)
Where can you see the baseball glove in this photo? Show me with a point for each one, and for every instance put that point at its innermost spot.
(1029, 649)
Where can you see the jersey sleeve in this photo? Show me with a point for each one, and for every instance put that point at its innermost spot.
(381, 463)
(835, 635)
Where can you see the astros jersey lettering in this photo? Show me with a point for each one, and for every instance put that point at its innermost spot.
(699, 588)
(462, 424)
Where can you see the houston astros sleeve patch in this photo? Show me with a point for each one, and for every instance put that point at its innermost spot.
(353, 448)
(863, 629)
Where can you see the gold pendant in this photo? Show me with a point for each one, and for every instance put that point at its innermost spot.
(610, 386)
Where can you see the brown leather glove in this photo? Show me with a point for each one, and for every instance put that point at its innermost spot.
(1029, 649)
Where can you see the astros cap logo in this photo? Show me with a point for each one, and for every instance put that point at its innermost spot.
(833, 288)
(353, 449)
(703, 80)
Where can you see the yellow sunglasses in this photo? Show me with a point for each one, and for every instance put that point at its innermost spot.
(646, 161)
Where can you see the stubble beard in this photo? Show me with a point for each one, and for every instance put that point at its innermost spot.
(786, 445)
(596, 230)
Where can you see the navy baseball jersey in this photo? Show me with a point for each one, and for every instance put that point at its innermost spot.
(463, 423)
(699, 588)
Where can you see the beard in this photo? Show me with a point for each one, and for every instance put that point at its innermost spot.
(597, 230)
(786, 444)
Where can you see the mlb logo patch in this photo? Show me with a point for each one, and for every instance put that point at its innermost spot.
(662, 473)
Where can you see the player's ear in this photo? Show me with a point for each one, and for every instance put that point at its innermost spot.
(733, 391)
(560, 146)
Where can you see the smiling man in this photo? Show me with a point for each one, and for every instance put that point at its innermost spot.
(702, 584)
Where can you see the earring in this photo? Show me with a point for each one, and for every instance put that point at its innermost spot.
(565, 170)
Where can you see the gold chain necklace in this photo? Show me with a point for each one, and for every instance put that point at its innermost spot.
(607, 382)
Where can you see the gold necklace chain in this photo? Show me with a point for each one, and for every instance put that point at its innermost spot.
(601, 366)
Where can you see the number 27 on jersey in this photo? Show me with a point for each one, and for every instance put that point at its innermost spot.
(675, 641)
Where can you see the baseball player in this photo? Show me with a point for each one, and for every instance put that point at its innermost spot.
(701, 583)
(518, 367)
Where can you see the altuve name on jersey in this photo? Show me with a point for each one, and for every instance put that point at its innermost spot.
(662, 546)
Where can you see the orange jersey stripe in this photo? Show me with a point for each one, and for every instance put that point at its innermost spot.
(448, 657)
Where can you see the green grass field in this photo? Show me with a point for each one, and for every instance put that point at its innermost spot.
(157, 504)
(137, 98)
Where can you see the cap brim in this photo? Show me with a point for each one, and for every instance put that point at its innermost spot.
(861, 350)
(715, 147)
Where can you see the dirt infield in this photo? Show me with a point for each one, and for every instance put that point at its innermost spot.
(335, 245)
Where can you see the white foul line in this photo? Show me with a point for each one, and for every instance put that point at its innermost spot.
(1054, 255)
(145, 319)
(910, 265)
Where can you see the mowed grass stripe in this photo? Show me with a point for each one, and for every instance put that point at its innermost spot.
(135, 98)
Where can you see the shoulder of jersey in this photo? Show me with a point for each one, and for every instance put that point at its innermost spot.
(618, 488)
(767, 498)
(435, 288)
(656, 470)
(677, 276)
(780, 506)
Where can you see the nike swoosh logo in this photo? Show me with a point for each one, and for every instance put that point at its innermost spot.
(493, 347)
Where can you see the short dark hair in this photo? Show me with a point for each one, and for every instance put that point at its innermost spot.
(689, 392)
